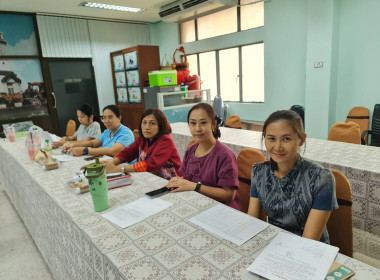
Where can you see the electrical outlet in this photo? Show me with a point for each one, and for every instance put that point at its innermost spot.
(318, 64)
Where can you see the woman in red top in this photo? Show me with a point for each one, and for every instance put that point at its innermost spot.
(154, 150)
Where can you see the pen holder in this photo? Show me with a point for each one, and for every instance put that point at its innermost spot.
(97, 180)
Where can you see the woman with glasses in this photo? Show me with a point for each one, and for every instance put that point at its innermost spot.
(89, 128)
(113, 140)
(154, 149)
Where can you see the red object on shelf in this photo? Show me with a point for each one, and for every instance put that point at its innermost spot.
(193, 82)
(182, 75)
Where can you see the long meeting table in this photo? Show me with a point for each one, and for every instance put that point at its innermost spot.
(360, 164)
(78, 243)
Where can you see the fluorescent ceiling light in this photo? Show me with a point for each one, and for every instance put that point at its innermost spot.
(111, 7)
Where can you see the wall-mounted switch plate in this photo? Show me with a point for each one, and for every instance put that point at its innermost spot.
(318, 64)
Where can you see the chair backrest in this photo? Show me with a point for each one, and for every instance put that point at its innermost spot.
(375, 135)
(300, 111)
(359, 115)
(70, 128)
(339, 225)
(191, 143)
(233, 121)
(246, 158)
(136, 133)
(345, 132)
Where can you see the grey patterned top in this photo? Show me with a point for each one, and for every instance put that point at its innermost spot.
(288, 202)
(92, 131)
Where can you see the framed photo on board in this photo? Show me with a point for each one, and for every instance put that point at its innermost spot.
(122, 95)
(131, 60)
(120, 79)
(133, 78)
(118, 62)
(134, 95)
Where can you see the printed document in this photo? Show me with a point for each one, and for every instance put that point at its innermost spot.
(290, 256)
(229, 223)
(136, 211)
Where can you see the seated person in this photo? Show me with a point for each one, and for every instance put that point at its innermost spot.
(89, 126)
(154, 149)
(113, 140)
(296, 194)
(209, 166)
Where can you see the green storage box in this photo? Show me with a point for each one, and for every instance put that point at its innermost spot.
(161, 78)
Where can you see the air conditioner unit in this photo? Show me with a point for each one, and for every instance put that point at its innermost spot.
(183, 10)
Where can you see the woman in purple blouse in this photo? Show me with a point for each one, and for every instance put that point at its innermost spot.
(209, 166)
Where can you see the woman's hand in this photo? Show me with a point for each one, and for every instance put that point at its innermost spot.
(178, 184)
(58, 144)
(111, 167)
(77, 151)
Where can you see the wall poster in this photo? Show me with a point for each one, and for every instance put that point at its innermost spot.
(120, 79)
(134, 95)
(118, 63)
(122, 96)
(22, 88)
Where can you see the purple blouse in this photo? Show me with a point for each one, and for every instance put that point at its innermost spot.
(216, 169)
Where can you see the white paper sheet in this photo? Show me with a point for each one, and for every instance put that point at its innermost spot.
(136, 211)
(290, 256)
(64, 157)
(228, 223)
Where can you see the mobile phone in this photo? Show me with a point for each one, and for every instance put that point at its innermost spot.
(90, 158)
(158, 192)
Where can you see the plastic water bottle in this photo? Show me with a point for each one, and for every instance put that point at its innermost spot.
(97, 180)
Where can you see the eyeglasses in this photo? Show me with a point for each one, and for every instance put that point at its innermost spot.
(104, 119)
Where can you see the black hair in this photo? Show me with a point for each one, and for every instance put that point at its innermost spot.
(212, 115)
(89, 111)
(293, 119)
(113, 108)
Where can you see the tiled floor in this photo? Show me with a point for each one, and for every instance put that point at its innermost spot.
(19, 258)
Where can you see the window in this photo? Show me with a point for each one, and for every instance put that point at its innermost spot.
(237, 74)
(223, 22)
(187, 30)
(251, 16)
(207, 67)
(253, 73)
(220, 23)
(193, 63)
(229, 74)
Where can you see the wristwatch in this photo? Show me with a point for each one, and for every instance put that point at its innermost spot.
(123, 169)
(198, 186)
(85, 151)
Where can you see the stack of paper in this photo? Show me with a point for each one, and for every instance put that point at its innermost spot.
(230, 224)
(136, 211)
(290, 256)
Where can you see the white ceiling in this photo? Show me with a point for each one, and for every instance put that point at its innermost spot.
(72, 8)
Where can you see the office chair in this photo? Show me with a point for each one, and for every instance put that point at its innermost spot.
(192, 142)
(300, 111)
(345, 132)
(136, 133)
(233, 121)
(359, 115)
(375, 129)
(70, 128)
(339, 225)
(245, 160)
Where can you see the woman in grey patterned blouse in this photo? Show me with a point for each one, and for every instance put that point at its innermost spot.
(297, 195)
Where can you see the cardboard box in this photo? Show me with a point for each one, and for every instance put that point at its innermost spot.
(161, 78)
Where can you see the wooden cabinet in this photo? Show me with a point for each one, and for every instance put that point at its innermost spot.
(130, 69)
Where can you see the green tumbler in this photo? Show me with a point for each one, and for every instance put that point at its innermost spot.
(97, 180)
